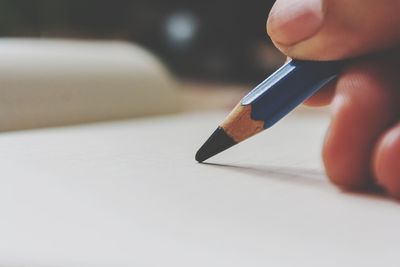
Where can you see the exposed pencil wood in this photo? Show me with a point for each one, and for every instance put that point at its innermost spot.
(239, 125)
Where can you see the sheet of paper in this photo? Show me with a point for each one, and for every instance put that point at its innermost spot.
(129, 193)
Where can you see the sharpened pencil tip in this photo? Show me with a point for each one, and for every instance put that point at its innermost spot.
(218, 142)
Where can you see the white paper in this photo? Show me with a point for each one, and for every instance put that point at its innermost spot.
(130, 194)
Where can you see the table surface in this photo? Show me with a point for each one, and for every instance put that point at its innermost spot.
(129, 193)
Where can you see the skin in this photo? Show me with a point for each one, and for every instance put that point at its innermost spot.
(362, 145)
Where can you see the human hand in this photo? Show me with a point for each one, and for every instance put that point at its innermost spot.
(362, 146)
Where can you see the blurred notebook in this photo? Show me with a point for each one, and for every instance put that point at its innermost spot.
(58, 82)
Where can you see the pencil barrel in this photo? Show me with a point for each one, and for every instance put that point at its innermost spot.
(288, 87)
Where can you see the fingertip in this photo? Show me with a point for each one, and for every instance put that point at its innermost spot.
(345, 165)
(292, 21)
(387, 161)
(362, 109)
(333, 29)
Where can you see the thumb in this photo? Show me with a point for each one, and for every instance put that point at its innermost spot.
(334, 29)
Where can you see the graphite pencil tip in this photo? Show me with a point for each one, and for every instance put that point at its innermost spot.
(218, 142)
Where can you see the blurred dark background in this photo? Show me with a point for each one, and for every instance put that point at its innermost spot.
(222, 40)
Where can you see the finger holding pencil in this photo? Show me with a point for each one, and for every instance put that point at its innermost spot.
(366, 97)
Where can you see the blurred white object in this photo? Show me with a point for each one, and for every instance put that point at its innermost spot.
(57, 82)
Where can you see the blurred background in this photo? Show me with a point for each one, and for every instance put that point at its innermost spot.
(66, 62)
(219, 41)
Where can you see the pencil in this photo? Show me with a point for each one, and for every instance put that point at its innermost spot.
(269, 102)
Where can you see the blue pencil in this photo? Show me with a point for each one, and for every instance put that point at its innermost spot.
(269, 102)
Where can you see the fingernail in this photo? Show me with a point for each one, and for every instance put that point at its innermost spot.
(292, 21)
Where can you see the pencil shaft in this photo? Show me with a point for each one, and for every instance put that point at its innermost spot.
(288, 87)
